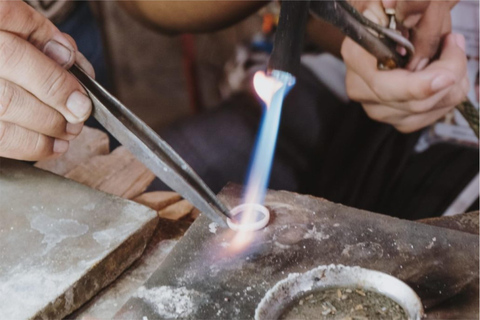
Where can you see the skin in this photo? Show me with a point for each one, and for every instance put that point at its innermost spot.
(35, 90)
(43, 107)
(174, 17)
(414, 98)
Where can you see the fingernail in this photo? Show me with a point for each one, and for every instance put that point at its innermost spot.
(60, 146)
(411, 20)
(84, 64)
(441, 82)
(58, 52)
(79, 104)
(74, 128)
(422, 64)
(460, 40)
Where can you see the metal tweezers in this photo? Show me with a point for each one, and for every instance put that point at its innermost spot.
(150, 149)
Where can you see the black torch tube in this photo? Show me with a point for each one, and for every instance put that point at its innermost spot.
(288, 43)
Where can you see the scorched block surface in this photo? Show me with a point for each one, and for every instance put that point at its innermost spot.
(215, 273)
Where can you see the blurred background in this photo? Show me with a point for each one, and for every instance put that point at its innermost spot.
(164, 78)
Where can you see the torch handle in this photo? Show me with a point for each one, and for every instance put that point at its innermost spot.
(289, 36)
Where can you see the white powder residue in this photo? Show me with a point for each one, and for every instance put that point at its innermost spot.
(363, 250)
(430, 245)
(317, 235)
(26, 289)
(89, 207)
(171, 303)
(225, 244)
(212, 227)
(107, 236)
(57, 230)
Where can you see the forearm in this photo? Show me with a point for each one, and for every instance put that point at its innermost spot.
(175, 17)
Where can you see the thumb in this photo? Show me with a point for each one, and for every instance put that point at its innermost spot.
(22, 20)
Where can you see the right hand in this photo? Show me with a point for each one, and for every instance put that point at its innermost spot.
(42, 106)
(409, 99)
(426, 22)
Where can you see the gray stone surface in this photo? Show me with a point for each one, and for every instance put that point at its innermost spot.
(61, 242)
(105, 304)
(210, 275)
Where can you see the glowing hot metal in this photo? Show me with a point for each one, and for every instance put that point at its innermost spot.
(263, 216)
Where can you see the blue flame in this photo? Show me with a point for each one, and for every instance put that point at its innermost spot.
(261, 163)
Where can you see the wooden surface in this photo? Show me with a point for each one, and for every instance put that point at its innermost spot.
(158, 200)
(90, 142)
(89, 162)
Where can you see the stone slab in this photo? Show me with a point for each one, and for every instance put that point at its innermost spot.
(61, 242)
(107, 302)
(214, 273)
(466, 222)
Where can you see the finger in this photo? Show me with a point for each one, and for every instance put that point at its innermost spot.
(398, 84)
(426, 35)
(407, 9)
(84, 64)
(22, 144)
(389, 3)
(18, 18)
(452, 57)
(403, 121)
(358, 90)
(27, 67)
(80, 59)
(455, 95)
(70, 40)
(448, 97)
(384, 113)
(19, 107)
(416, 122)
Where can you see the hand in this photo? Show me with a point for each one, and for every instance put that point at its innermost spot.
(425, 22)
(42, 106)
(408, 100)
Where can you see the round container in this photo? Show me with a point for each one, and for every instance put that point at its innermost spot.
(297, 285)
(252, 226)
